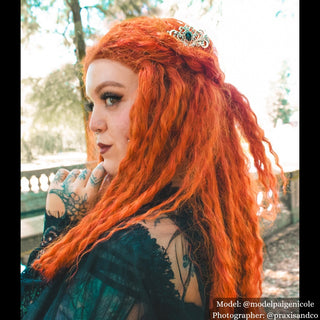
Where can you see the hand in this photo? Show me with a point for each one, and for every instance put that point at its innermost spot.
(73, 193)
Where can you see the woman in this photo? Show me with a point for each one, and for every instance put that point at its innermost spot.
(167, 222)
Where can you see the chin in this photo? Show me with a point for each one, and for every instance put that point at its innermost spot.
(110, 167)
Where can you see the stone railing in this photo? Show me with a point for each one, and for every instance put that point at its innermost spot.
(34, 185)
(39, 180)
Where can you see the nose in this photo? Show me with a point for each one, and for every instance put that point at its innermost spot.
(98, 120)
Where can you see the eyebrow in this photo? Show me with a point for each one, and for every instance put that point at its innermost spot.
(107, 84)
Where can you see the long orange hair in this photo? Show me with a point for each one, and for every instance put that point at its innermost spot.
(187, 122)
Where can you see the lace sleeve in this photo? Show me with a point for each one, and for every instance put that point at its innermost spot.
(52, 229)
(32, 284)
(186, 277)
(132, 276)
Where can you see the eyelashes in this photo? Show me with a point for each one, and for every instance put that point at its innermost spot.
(88, 106)
(110, 99)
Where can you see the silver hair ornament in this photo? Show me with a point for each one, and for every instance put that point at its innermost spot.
(191, 37)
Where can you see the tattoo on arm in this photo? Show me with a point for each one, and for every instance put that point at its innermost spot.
(188, 264)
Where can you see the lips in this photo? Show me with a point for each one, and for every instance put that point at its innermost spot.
(104, 147)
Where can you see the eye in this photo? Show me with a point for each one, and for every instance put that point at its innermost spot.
(111, 98)
(88, 106)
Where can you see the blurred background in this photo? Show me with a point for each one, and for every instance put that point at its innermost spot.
(258, 48)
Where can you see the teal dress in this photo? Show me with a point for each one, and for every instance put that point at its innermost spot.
(148, 271)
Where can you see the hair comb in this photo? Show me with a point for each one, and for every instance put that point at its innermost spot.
(191, 37)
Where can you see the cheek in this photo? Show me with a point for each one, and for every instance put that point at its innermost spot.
(126, 127)
(124, 124)
(121, 129)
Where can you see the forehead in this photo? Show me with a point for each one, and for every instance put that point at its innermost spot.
(109, 72)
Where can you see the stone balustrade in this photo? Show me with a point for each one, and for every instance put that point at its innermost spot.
(39, 180)
(35, 183)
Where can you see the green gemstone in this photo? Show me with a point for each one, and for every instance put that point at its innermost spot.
(188, 35)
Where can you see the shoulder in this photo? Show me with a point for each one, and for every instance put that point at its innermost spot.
(145, 246)
(130, 242)
(145, 235)
(134, 246)
(177, 253)
(162, 229)
(153, 251)
(130, 258)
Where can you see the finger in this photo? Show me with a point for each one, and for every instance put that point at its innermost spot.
(72, 176)
(83, 177)
(60, 176)
(97, 176)
(105, 183)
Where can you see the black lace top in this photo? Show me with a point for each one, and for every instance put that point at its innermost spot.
(143, 272)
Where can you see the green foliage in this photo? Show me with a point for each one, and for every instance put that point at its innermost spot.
(46, 142)
(42, 141)
(130, 8)
(99, 10)
(56, 97)
(26, 152)
(57, 118)
(29, 11)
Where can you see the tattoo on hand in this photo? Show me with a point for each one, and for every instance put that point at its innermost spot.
(59, 175)
(75, 205)
(83, 174)
(94, 180)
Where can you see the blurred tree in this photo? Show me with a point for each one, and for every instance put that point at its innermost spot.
(26, 152)
(56, 97)
(59, 96)
(69, 19)
(281, 108)
(57, 100)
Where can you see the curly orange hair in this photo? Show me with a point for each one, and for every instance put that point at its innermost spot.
(186, 122)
